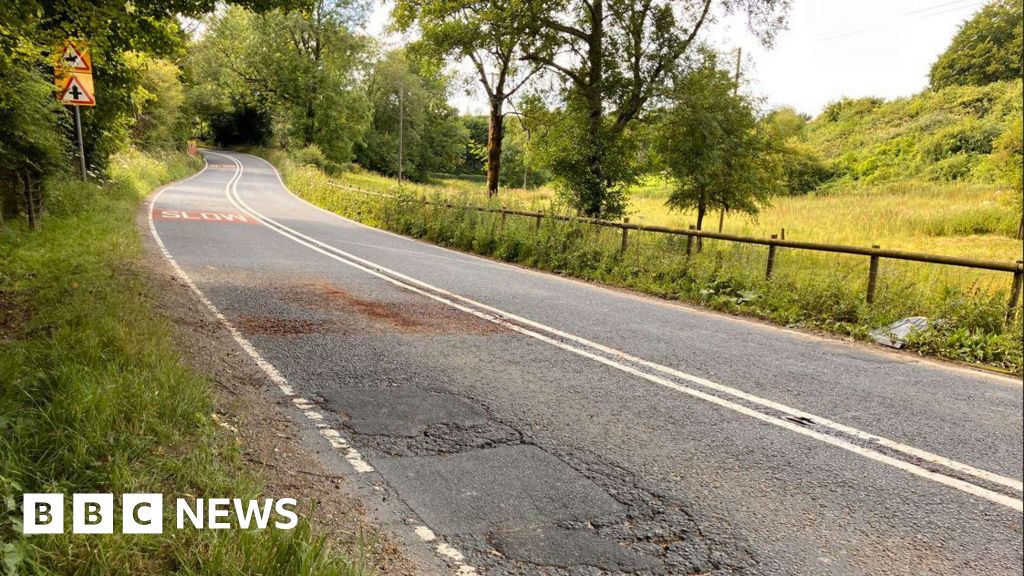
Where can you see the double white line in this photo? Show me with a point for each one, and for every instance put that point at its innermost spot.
(811, 425)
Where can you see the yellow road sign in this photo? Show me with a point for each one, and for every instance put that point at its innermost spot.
(72, 74)
(74, 57)
(75, 90)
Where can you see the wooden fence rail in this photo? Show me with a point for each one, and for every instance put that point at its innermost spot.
(874, 253)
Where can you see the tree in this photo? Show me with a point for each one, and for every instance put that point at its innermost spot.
(302, 65)
(712, 146)
(475, 159)
(802, 169)
(490, 34)
(613, 56)
(987, 48)
(157, 102)
(411, 113)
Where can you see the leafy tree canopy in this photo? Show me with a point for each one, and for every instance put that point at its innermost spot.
(411, 114)
(989, 47)
(713, 147)
(613, 57)
(301, 68)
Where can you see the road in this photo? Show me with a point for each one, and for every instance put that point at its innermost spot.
(531, 424)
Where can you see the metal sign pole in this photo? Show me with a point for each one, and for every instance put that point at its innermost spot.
(81, 144)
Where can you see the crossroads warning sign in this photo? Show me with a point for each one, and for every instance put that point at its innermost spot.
(76, 90)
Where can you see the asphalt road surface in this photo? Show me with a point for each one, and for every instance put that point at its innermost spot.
(529, 424)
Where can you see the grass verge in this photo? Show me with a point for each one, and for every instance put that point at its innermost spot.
(94, 398)
(815, 291)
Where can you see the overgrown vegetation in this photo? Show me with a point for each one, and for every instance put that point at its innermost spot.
(808, 290)
(941, 135)
(94, 398)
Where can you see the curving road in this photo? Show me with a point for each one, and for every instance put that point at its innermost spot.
(528, 424)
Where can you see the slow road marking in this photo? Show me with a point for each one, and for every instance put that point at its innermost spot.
(204, 216)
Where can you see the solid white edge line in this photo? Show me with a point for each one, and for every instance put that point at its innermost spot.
(930, 457)
(626, 293)
(914, 469)
(354, 458)
(818, 420)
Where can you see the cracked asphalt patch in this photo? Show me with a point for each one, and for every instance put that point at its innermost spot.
(564, 548)
(509, 487)
(401, 411)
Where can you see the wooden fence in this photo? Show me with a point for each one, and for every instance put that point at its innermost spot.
(874, 253)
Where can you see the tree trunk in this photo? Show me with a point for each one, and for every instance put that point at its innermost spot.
(310, 130)
(595, 144)
(495, 134)
(702, 209)
(30, 204)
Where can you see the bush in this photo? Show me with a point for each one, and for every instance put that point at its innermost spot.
(309, 156)
(939, 135)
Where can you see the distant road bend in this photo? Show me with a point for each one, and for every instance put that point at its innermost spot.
(531, 424)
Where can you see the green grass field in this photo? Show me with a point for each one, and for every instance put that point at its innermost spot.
(817, 291)
(94, 397)
(970, 220)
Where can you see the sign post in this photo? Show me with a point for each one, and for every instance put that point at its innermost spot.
(81, 142)
(72, 75)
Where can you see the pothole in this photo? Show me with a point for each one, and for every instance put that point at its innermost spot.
(515, 505)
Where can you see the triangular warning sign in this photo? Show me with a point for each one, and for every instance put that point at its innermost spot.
(74, 59)
(75, 93)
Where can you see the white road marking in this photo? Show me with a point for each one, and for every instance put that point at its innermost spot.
(425, 534)
(449, 551)
(795, 412)
(354, 458)
(500, 317)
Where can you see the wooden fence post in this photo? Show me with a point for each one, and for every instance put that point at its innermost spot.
(689, 243)
(1018, 279)
(873, 276)
(503, 217)
(536, 225)
(771, 259)
(625, 236)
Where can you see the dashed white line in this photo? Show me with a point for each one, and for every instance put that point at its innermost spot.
(352, 456)
(425, 533)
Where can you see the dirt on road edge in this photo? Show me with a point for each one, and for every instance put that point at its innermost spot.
(290, 458)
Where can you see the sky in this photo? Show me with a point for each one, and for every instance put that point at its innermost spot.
(830, 49)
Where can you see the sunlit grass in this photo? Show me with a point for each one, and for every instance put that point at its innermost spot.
(970, 220)
(94, 397)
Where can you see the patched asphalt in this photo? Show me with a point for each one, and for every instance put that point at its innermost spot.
(533, 460)
(496, 489)
(401, 411)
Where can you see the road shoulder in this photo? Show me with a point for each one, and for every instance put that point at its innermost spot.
(276, 445)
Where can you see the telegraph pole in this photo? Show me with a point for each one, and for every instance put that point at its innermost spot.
(736, 78)
(401, 131)
(735, 92)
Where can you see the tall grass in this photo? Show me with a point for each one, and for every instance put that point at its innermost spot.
(94, 398)
(954, 219)
(809, 290)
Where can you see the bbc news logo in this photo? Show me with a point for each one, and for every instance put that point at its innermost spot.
(144, 513)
